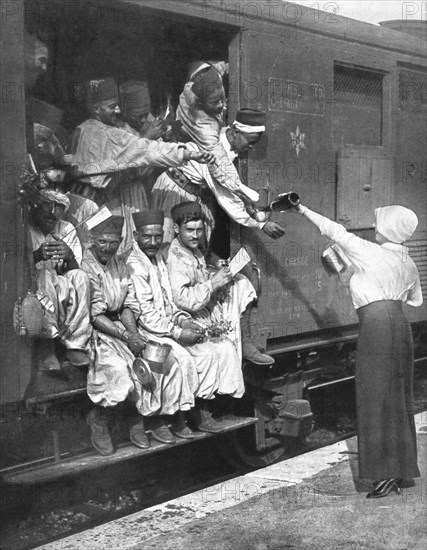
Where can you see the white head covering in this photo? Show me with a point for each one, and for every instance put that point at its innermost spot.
(397, 223)
(51, 195)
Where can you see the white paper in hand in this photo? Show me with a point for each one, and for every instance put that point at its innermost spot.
(102, 215)
(239, 261)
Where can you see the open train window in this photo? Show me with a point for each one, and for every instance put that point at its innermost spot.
(358, 98)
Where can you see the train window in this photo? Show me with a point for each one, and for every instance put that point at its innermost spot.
(412, 90)
(358, 95)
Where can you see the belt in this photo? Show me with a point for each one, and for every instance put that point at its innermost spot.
(182, 181)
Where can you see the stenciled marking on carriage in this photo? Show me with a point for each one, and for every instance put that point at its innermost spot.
(305, 98)
(345, 130)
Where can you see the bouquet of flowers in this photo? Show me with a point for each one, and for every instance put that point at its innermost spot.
(216, 329)
(29, 188)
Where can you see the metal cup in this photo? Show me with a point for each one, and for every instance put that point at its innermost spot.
(157, 353)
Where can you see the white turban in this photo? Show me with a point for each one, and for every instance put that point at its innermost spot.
(51, 195)
(397, 223)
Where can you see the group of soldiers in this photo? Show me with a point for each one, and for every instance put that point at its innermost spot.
(139, 275)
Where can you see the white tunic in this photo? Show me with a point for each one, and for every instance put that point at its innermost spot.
(192, 292)
(98, 148)
(69, 293)
(66, 232)
(159, 321)
(111, 378)
(205, 131)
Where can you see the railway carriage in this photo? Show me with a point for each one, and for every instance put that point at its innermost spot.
(346, 107)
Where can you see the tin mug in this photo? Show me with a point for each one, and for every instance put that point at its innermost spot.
(157, 353)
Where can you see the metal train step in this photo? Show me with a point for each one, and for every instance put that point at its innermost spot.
(91, 461)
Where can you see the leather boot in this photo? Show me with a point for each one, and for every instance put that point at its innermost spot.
(249, 351)
(137, 434)
(203, 418)
(97, 420)
(160, 430)
(46, 356)
(179, 427)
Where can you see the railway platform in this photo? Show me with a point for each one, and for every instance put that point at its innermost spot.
(311, 502)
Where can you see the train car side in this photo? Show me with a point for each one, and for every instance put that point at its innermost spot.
(346, 126)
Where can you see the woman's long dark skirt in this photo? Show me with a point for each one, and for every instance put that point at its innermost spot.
(384, 393)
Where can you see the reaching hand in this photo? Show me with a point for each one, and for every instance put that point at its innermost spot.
(153, 130)
(273, 230)
(221, 278)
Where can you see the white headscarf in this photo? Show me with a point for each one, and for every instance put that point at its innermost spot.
(397, 223)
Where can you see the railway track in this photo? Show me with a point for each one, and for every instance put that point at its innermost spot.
(81, 502)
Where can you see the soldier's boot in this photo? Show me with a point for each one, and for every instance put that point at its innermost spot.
(137, 434)
(160, 430)
(203, 418)
(179, 427)
(249, 350)
(100, 437)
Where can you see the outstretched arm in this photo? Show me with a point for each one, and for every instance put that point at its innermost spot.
(359, 251)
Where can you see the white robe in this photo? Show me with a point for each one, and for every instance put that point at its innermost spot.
(160, 319)
(166, 194)
(69, 292)
(111, 378)
(108, 152)
(192, 292)
(205, 131)
(132, 194)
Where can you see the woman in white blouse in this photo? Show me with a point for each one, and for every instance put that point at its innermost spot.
(384, 278)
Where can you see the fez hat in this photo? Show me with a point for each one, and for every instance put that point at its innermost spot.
(45, 114)
(110, 226)
(134, 94)
(187, 207)
(207, 84)
(102, 89)
(148, 217)
(250, 117)
(395, 222)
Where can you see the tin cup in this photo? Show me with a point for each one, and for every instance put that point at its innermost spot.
(332, 260)
(157, 353)
(142, 371)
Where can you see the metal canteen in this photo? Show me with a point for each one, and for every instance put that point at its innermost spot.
(285, 201)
